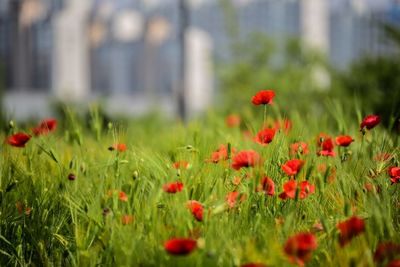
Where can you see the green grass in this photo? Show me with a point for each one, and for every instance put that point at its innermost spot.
(67, 226)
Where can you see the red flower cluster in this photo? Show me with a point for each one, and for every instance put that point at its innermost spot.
(300, 247)
(180, 246)
(349, 229)
(344, 140)
(394, 173)
(263, 97)
(18, 139)
(265, 136)
(292, 167)
(290, 188)
(46, 126)
(196, 208)
(245, 158)
(369, 122)
(173, 187)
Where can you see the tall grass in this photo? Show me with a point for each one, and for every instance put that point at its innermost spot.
(48, 220)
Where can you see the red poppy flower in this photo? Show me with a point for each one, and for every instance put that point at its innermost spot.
(123, 196)
(327, 148)
(119, 147)
(46, 126)
(293, 166)
(300, 247)
(268, 186)
(221, 154)
(344, 140)
(245, 158)
(18, 139)
(232, 120)
(263, 97)
(180, 164)
(127, 219)
(180, 246)
(299, 147)
(306, 189)
(370, 122)
(173, 187)
(394, 263)
(349, 229)
(231, 198)
(386, 252)
(265, 136)
(285, 125)
(290, 187)
(252, 264)
(394, 173)
(196, 208)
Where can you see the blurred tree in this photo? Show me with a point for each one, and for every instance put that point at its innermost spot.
(376, 81)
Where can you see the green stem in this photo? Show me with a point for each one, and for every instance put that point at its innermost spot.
(265, 116)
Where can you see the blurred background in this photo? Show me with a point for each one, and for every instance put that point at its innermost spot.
(181, 57)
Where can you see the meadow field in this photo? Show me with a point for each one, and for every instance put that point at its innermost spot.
(253, 186)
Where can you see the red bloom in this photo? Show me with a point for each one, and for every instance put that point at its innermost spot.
(180, 164)
(370, 122)
(386, 252)
(394, 173)
(263, 97)
(126, 219)
(265, 136)
(232, 120)
(231, 198)
(119, 147)
(299, 147)
(349, 229)
(173, 187)
(268, 186)
(305, 189)
(196, 208)
(245, 158)
(221, 154)
(290, 187)
(344, 140)
(46, 126)
(300, 247)
(327, 148)
(293, 166)
(180, 246)
(394, 263)
(123, 196)
(18, 139)
(285, 125)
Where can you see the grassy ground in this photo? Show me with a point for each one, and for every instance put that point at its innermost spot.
(46, 219)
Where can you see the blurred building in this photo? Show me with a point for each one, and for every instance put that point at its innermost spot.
(128, 51)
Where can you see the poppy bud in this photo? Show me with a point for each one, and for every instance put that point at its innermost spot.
(71, 177)
(11, 124)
